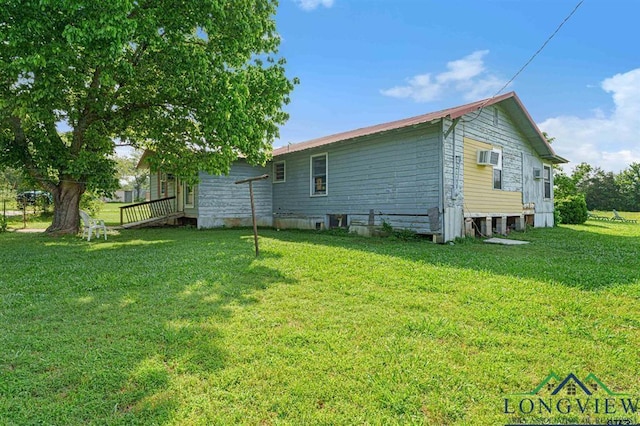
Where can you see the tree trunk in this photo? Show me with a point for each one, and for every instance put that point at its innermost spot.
(66, 206)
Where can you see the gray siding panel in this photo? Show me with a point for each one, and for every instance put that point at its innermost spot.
(223, 203)
(394, 174)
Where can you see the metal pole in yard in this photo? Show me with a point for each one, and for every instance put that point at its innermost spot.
(253, 209)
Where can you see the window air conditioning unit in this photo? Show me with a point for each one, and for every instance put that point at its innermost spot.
(488, 158)
(537, 173)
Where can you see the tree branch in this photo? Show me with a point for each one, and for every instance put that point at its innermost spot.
(20, 141)
(88, 116)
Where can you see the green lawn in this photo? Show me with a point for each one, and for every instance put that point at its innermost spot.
(109, 212)
(180, 326)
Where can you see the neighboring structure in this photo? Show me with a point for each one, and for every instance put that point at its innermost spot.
(476, 168)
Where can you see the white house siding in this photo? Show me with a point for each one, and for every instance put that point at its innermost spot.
(396, 174)
(222, 203)
(153, 186)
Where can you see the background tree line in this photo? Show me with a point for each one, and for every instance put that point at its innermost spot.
(601, 190)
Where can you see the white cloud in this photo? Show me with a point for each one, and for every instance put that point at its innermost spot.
(313, 4)
(610, 141)
(467, 76)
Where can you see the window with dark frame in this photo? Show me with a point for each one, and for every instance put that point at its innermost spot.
(497, 171)
(279, 171)
(319, 174)
(188, 195)
(546, 177)
(497, 178)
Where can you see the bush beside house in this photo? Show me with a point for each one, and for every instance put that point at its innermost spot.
(572, 209)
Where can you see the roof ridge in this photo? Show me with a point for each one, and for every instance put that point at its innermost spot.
(452, 112)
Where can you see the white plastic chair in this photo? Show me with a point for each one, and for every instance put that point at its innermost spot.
(90, 225)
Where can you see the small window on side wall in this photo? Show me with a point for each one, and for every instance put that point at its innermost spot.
(497, 171)
(279, 171)
(319, 175)
(497, 178)
(546, 177)
(162, 185)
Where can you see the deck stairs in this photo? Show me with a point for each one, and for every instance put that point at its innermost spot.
(149, 213)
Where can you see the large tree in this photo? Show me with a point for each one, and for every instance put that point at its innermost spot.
(629, 182)
(197, 82)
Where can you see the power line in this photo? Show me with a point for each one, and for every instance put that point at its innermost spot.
(529, 61)
(539, 50)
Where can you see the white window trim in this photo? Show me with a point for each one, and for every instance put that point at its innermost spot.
(311, 182)
(284, 162)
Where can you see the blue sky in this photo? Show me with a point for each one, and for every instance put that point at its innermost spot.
(364, 62)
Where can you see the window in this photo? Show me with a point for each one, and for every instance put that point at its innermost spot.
(189, 196)
(497, 178)
(496, 115)
(546, 177)
(497, 171)
(319, 174)
(279, 172)
(162, 185)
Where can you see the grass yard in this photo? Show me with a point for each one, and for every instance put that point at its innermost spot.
(109, 212)
(187, 327)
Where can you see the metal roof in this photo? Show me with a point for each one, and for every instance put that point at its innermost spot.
(510, 101)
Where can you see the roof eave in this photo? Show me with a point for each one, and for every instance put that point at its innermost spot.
(555, 159)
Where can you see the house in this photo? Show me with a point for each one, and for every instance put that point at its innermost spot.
(482, 167)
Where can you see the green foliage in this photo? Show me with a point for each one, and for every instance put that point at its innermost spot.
(3, 223)
(557, 218)
(387, 228)
(564, 185)
(572, 210)
(405, 234)
(398, 234)
(198, 83)
(629, 183)
(602, 190)
(91, 203)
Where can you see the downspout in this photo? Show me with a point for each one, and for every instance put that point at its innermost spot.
(455, 172)
(441, 197)
(456, 166)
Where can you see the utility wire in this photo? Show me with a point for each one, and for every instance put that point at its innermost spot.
(540, 49)
(529, 61)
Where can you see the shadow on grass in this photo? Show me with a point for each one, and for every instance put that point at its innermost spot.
(590, 256)
(101, 332)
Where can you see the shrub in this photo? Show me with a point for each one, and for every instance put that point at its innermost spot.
(90, 203)
(572, 209)
(398, 234)
(3, 223)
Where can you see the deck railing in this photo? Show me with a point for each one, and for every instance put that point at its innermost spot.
(147, 210)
